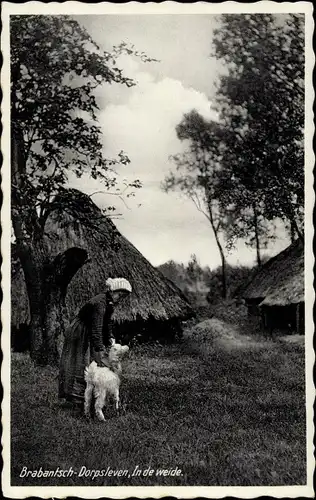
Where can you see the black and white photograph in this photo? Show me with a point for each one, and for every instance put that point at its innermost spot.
(157, 276)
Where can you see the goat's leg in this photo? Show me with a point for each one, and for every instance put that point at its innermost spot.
(117, 400)
(87, 400)
(99, 404)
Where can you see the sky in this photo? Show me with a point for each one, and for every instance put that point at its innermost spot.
(141, 121)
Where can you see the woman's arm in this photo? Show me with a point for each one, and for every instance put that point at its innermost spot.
(111, 337)
(97, 315)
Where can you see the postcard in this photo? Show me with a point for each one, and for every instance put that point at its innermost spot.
(157, 273)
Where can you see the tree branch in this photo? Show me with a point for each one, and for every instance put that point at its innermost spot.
(197, 203)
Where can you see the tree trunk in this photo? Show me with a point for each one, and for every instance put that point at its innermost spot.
(292, 231)
(299, 233)
(291, 217)
(297, 318)
(46, 279)
(220, 248)
(256, 228)
(224, 284)
(32, 263)
(44, 301)
(46, 282)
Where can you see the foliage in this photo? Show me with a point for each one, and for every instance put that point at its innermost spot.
(198, 174)
(202, 285)
(246, 170)
(197, 169)
(237, 278)
(194, 270)
(174, 271)
(261, 105)
(55, 67)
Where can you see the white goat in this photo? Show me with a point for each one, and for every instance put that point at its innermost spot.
(103, 381)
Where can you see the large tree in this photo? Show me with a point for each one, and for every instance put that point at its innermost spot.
(55, 67)
(245, 215)
(197, 175)
(249, 165)
(260, 101)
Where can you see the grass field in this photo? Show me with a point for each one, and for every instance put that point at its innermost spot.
(231, 414)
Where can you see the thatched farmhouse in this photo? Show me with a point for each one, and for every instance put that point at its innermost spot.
(276, 293)
(155, 308)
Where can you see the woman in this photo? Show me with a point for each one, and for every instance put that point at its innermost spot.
(89, 335)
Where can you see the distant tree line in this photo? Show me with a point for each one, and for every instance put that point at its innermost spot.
(202, 285)
(245, 170)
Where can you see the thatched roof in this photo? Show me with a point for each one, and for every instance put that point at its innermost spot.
(280, 281)
(111, 255)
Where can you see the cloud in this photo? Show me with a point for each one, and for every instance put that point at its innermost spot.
(142, 121)
(181, 43)
(144, 126)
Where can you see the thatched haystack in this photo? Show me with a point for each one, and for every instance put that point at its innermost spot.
(276, 293)
(214, 336)
(155, 307)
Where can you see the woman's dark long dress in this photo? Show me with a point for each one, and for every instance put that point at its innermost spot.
(90, 332)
